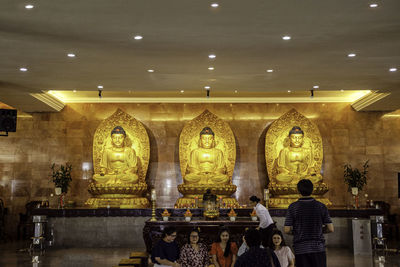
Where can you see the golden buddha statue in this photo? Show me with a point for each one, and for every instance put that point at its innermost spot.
(120, 162)
(292, 157)
(206, 164)
(207, 160)
(296, 161)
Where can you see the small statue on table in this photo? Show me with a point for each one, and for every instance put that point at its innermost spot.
(210, 205)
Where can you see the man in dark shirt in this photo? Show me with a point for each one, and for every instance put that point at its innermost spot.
(305, 219)
(256, 256)
(166, 251)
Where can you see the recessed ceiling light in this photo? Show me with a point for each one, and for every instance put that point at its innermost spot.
(150, 70)
(71, 55)
(271, 70)
(214, 5)
(212, 56)
(342, 90)
(74, 91)
(315, 87)
(236, 91)
(393, 69)
(29, 6)
(100, 86)
(211, 68)
(138, 37)
(373, 5)
(23, 69)
(207, 87)
(182, 91)
(289, 91)
(286, 37)
(351, 55)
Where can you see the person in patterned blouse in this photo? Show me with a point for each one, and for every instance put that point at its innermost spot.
(194, 254)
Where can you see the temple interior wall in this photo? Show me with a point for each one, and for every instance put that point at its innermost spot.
(67, 136)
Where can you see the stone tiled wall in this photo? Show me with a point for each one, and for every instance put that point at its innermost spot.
(67, 136)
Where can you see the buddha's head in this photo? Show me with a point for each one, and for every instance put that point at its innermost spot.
(296, 137)
(207, 138)
(118, 135)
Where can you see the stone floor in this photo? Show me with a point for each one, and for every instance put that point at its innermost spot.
(13, 254)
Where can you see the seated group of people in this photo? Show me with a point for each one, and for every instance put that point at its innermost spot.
(223, 252)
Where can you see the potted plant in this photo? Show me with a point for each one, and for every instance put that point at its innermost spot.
(354, 178)
(61, 177)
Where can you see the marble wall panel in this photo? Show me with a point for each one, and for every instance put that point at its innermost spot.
(67, 136)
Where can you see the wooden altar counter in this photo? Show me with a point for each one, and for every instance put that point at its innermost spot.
(82, 227)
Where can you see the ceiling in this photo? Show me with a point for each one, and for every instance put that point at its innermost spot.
(178, 36)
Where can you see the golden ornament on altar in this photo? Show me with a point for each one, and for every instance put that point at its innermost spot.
(165, 213)
(121, 152)
(207, 154)
(188, 213)
(232, 213)
(293, 151)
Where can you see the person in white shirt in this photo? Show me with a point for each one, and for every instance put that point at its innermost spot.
(266, 225)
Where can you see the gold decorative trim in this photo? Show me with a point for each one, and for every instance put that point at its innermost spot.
(49, 100)
(368, 100)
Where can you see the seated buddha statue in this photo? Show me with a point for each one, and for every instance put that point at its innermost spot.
(206, 164)
(118, 163)
(296, 162)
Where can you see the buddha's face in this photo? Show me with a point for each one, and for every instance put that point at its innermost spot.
(206, 140)
(118, 140)
(296, 140)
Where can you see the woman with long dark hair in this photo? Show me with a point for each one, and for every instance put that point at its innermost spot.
(283, 252)
(224, 252)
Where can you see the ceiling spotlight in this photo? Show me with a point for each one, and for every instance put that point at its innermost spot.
(236, 91)
(100, 86)
(29, 6)
(207, 87)
(211, 68)
(270, 70)
(351, 55)
(212, 56)
(286, 37)
(373, 5)
(393, 69)
(182, 91)
(74, 91)
(214, 5)
(138, 37)
(71, 55)
(315, 87)
(342, 90)
(23, 69)
(150, 70)
(289, 91)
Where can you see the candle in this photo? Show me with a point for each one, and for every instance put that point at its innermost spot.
(153, 194)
